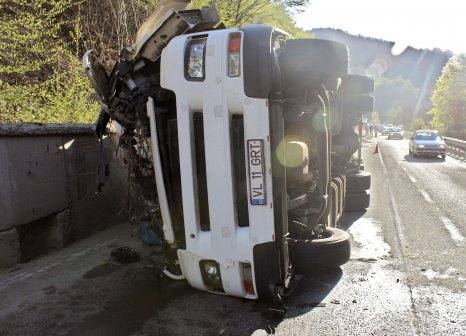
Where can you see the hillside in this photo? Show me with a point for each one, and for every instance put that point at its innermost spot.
(422, 67)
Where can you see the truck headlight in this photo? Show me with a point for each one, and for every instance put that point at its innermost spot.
(419, 146)
(195, 59)
(210, 271)
(441, 146)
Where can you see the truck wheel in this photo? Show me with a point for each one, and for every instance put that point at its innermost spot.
(357, 84)
(357, 201)
(306, 57)
(330, 251)
(358, 182)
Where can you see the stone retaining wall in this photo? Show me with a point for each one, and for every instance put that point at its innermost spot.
(48, 187)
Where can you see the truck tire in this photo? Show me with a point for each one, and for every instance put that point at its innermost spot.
(355, 104)
(358, 182)
(308, 59)
(357, 201)
(333, 250)
(357, 84)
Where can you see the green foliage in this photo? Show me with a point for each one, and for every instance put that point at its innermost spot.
(397, 100)
(41, 78)
(375, 118)
(42, 42)
(449, 99)
(416, 124)
(66, 96)
(32, 36)
(108, 26)
(235, 13)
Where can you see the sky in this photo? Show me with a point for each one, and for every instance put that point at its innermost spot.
(421, 24)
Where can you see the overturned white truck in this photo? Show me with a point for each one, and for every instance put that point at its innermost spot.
(250, 136)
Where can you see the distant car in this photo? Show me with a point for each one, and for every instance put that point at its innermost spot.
(386, 130)
(395, 133)
(427, 142)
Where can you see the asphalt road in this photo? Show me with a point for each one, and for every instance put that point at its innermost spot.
(406, 276)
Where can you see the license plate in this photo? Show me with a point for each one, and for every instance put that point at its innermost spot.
(256, 172)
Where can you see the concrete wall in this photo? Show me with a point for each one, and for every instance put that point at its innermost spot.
(48, 184)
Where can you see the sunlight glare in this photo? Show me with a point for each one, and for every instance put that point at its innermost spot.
(398, 49)
(379, 66)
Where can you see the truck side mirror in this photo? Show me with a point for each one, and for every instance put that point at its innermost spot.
(97, 74)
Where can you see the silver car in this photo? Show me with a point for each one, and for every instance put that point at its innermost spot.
(427, 142)
(395, 133)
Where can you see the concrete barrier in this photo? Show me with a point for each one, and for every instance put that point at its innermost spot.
(48, 183)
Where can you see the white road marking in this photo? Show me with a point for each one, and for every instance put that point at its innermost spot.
(453, 230)
(412, 179)
(426, 196)
(394, 207)
(449, 273)
(404, 168)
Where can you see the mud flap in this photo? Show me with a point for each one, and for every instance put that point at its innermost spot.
(266, 269)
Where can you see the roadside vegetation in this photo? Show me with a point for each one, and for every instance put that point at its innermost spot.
(449, 99)
(42, 42)
(398, 101)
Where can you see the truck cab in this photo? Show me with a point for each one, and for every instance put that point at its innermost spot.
(251, 141)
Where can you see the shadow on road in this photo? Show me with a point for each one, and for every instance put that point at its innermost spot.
(421, 159)
(154, 306)
(132, 299)
(312, 291)
(349, 218)
(145, 304)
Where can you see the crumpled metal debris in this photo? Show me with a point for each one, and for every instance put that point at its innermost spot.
(125, 255)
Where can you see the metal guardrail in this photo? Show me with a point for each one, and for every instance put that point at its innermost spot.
(456, 146)
(408, 135)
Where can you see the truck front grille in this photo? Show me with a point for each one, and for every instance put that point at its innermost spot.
(202, 193)
(239, 170)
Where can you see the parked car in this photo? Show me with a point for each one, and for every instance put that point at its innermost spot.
(395, 133)
(427, 142)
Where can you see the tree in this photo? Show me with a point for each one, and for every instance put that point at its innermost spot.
(397, 100)
(417, 124)
(375, 118)
(42, 42)
(40, 76)
(108, 26)
(235, 13)
(449, 99)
